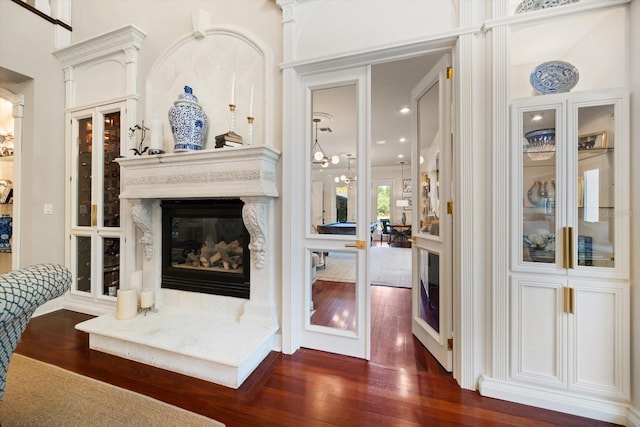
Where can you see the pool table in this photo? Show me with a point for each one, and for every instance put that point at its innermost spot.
(337, 228)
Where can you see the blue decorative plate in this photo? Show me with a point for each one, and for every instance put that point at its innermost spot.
(554, 77)
(529, 5)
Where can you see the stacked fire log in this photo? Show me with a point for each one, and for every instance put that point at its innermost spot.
(227, 256)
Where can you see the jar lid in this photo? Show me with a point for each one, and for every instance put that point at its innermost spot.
(187, 95)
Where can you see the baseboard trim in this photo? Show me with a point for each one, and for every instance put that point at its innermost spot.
(583, 406)
(634, 417)
(49, 307)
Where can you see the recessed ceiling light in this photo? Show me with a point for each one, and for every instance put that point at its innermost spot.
(405, 110)
(400, 156)
(381, 142)
(403, 139)
(536, 117)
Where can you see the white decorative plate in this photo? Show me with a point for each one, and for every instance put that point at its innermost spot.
(554, 77)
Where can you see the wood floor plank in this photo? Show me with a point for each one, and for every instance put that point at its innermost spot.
(403, 385)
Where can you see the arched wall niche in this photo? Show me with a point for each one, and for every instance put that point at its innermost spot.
(207, 61)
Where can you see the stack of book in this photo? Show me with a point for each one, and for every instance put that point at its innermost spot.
(229, 139)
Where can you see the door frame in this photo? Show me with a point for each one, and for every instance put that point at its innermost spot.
(468, 356)
(17, 100)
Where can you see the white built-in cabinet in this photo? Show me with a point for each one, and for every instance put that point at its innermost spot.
(570, 227)
(101, 77)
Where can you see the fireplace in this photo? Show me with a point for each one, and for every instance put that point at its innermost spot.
(205, 247)
(214, 337)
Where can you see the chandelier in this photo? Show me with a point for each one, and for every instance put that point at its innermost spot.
(349, 177)
(319, 157)
(540, 144)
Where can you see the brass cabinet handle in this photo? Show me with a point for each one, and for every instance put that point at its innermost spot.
(412, 240)
(570, 254)
(565, 247)
(571, 300)
(568, 300)
(360, 244)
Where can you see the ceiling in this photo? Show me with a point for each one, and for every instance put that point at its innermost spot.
(391, 85)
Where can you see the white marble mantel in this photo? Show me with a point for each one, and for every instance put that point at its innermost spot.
(225, 172)
(241, 330)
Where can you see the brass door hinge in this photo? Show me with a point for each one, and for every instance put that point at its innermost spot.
(449, 73)
(449, 208)
(450, 344)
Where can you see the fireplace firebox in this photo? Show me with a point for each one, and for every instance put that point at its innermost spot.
(205, 247)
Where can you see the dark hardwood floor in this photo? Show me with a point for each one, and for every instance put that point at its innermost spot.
(401, 386)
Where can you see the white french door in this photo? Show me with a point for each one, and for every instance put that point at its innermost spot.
(335, 299)
(432, 308)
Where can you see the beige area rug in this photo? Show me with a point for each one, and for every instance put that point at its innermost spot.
(388, 267)
(39, 394)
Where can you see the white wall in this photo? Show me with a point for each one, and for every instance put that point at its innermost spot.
(27, 67)
(385, 23)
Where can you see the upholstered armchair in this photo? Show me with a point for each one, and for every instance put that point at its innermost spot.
(21, 293)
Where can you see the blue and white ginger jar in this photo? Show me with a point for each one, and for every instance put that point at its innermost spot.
(188, 122)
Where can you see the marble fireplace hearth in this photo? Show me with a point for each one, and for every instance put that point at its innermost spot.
(216, 338)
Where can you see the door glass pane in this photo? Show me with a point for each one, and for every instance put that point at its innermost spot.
(429, 158)
(85, 148)
(333, 290)
(342, 203)
(83, 264)
(596, 185)
(111, 187)
(383, 201)
(111, 266)
(539, 186)
(332, 153)
(429, 299)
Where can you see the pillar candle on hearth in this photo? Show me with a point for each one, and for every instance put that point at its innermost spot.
(126, 304)
(146, 298)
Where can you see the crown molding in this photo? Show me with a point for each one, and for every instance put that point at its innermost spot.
(121, 39)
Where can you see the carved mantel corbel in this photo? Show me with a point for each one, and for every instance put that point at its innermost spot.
(141, 215)
(254, 215)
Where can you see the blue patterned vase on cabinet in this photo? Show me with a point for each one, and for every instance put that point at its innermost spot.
(188, 122)
(6, 229)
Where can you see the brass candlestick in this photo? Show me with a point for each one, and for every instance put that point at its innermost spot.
(232, 124)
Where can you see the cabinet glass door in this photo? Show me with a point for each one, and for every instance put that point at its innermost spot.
(594, 235)
(84, 171)
(96, 233)
(538, 190)
(111, 171)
